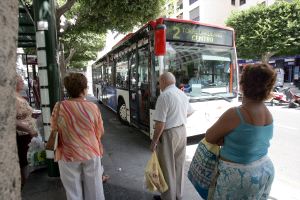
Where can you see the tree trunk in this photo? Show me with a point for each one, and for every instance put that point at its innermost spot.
(61, 10)
(70, 56)
(266, 57)
(10, 185)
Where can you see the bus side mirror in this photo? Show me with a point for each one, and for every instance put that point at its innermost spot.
(160, 40)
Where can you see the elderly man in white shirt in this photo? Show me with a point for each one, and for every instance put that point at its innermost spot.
(169, 140)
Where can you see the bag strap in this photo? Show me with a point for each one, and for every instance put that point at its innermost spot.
(58, 109)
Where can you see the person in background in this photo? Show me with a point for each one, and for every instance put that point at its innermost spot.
(245, 170)
(24, 92)
(185, 86)
(26, 128)
(195, 79)
(104, 177)
(80, 129)
(169, 140)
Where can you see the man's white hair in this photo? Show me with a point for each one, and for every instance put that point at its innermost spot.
(169, 77)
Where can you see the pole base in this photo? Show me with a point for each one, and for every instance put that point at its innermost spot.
(52, 168)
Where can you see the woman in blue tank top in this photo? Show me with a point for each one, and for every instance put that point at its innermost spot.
(244, 132)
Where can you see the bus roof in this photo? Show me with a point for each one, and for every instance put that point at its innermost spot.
(197, 23)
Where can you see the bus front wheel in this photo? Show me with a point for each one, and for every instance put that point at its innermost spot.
(122, 112)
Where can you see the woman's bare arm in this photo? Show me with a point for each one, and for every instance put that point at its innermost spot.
(226, 123)
(23, 127)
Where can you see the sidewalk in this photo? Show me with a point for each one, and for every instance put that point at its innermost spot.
(126, 152)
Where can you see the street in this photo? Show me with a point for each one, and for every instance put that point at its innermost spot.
(283, 152)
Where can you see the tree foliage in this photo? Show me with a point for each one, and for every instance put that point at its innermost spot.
(85, 46)
(264, 31)
(117, 15)
(87, 21)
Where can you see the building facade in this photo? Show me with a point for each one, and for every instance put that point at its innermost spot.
(205, 11)
(209, 11)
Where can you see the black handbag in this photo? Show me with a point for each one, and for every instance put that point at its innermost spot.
(53, 138)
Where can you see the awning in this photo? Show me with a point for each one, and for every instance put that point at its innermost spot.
(26, 35)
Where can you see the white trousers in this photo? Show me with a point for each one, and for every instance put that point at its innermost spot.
(82, 179)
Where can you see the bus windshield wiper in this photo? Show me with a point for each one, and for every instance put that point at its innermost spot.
(217, 95)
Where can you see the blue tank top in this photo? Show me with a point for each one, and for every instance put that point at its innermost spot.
(246, 143)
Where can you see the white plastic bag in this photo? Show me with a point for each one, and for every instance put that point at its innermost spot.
(36, 154)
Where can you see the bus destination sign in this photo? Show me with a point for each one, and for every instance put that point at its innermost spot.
(198, 33)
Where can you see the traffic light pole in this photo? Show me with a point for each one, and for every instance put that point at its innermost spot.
(46, 43)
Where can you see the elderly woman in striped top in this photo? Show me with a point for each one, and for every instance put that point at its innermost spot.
(80, 128)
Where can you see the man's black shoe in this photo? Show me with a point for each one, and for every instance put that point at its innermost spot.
(157, 197)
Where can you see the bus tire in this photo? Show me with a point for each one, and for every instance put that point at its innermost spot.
(122, 112)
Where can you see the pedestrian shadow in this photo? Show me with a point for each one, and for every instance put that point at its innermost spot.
(40, 186)
(272, 198)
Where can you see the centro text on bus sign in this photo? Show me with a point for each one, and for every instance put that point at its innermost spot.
(197, 33)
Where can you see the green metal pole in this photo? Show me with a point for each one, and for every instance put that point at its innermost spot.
(45, 24)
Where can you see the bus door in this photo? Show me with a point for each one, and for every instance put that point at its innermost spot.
(143, 85)
(100, 84)
(133, 88)
(105, 82)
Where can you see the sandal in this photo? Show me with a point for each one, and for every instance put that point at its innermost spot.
(105, 178)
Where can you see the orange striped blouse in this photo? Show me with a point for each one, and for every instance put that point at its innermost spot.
(80, 128)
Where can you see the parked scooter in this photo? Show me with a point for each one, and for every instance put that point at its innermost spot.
(285, 96)
(279, 97)
(294, 99)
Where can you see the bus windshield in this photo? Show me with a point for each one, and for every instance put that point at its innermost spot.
(203, 71)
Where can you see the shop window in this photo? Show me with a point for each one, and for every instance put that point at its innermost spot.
(242, 2)
(192, 1)
(194, 14)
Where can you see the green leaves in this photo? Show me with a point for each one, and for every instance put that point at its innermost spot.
(261, 29)
(118, 15)
(85, 44)
(89, 20)
(94, 17)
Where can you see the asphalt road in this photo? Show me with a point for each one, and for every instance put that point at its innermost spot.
(284, 152)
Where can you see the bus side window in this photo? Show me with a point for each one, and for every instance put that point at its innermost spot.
(122, 73)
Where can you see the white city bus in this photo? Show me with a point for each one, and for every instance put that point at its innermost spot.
(202, 57)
